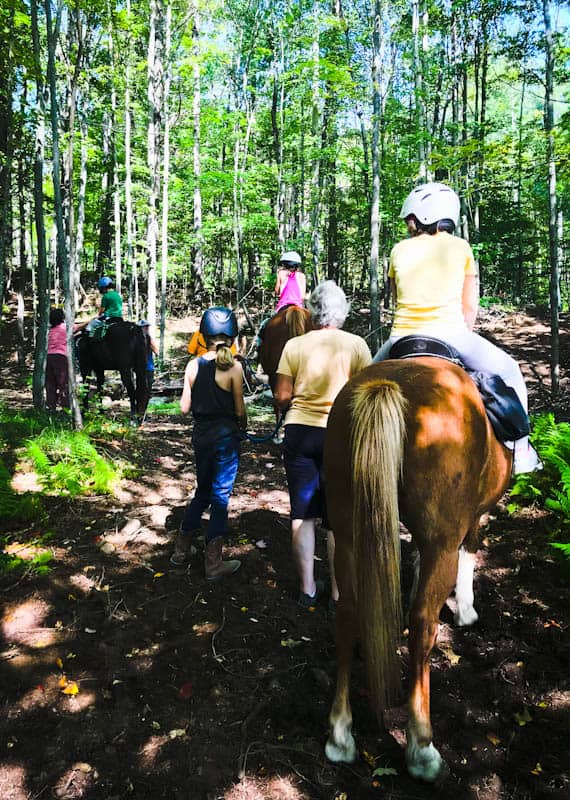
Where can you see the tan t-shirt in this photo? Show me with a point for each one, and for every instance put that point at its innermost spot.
(320, 363)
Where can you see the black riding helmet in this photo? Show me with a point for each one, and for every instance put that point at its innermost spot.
(219, 321)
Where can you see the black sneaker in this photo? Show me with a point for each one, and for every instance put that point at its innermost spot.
(306, 601)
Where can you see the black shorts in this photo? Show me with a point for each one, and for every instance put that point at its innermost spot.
(303, 458)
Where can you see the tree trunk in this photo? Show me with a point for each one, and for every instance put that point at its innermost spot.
(6, 148)
(62, 258)
(42, 274)
(153, 155)
(128, 179)
(375, 201)
(552, 204)
(198, 255)
(165, 178)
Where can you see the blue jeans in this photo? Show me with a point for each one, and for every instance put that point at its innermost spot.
(216, 468)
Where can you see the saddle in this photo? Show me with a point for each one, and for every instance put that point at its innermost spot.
(100, 331)
(506, 414)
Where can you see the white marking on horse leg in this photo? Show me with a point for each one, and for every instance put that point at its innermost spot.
(423, 761)
(465, 614)
(340, 745)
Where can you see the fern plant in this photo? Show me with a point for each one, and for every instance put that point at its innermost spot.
(67, 461)
(550, 487)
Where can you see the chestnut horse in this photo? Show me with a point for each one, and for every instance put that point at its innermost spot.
(289, 322)
(406, 440)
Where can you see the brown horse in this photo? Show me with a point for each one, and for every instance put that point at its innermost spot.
(291, 321)
(406, 440)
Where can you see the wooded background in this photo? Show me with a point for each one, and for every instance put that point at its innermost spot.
(180, 146)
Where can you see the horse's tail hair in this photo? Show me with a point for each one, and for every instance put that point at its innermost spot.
(296, 320)
(378, 436)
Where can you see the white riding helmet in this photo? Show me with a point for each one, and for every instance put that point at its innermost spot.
(431, 202)
(291, 257)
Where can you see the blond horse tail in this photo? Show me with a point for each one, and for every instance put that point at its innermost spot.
(296, 319)
(378, 436)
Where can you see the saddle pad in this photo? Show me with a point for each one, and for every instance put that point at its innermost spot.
(413, 346)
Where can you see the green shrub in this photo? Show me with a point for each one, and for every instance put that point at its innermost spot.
(67, 461)
(550, 487)
(13, 506)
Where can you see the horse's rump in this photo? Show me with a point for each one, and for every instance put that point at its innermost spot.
(289, 322)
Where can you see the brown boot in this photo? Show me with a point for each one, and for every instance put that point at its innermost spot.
(182, 544)
(214, 567)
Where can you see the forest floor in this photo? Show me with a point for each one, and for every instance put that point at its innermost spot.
(193, 691)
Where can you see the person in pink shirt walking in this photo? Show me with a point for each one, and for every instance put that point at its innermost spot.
(57, 389)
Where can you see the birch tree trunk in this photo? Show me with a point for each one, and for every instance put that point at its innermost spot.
(42, 275)
(130, 264)
(552, 203)
(80, 205)
(115, 163)
(154, 100)
(198, 260)
(58, 206)
(165, 176)
(375, 201)
(6, 147)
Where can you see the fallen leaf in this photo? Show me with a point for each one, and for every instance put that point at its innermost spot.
(71, 597)
(90, 630)
(537, 770)
(522, 717)
(379, 772)
(543, 704)
(71, 688)
(552, 624)
(176, 733)
(448, 652)
(253, 619)
(493, 738)
(158, 574)
(107, 548)
(243, 609)
(156, 726)
(290, 642)
(261, 544)
(82, 766)
(59, 663)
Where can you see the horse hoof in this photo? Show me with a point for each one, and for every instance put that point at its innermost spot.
(341, 753)
(464, 617)
(426, 764)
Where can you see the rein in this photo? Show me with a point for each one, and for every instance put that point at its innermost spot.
(260, 439)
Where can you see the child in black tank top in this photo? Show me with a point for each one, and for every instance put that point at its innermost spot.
(213, 392)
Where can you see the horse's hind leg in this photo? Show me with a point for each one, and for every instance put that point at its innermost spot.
(465, 613)
(340, 745)
(437, 577)
(128, 383)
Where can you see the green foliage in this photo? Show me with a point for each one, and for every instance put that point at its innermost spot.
(67, 462)
(550, 487)
(168, 407)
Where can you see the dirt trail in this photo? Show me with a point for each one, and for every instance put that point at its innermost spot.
(191, 690)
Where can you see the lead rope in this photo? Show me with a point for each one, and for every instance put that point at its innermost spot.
(260, 439)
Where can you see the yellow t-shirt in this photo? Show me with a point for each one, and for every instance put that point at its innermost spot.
(320, 363)
(429, 272)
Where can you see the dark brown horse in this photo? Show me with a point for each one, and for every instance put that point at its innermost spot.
(291, 321)
(124, 349)
(406, 440)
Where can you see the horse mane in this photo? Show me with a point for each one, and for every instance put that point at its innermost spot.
(296, 319)
(377, 440)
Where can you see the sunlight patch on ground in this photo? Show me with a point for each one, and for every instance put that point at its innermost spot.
(23, 623)
(558, 701)
(75, 782)
(150, 751)
(13, 782)
(273, 788)
(27, 481)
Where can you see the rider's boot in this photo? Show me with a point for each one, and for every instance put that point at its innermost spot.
(182, 548)
(214, 567)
